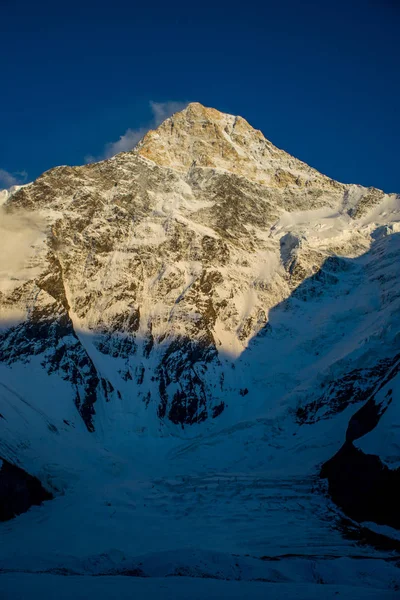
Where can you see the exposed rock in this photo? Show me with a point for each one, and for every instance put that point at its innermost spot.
(361, 484)
(365, 488)
(169, 256)
(18, 491)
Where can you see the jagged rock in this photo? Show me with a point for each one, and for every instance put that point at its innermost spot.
(171, 255)
(18, 491)
(365, 488)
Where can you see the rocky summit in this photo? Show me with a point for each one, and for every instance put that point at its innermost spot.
(201, 327)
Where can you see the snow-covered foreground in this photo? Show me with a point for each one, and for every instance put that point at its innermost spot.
(47, 587)
(177, 523)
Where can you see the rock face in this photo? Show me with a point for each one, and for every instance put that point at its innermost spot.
(362, 484)
(156, 267)
(364, 487)
(18, 491)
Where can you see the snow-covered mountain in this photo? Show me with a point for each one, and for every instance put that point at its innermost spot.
(188, 331)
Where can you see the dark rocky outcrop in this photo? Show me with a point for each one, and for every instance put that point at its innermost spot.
(18, 491)
(363, 487)
(185, 364)
(361, 484)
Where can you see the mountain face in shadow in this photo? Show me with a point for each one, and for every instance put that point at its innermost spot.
(202, 280)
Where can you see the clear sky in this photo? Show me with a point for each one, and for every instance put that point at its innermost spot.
(321, 79)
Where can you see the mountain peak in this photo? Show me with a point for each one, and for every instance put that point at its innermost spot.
(199, 136)
(202, 137)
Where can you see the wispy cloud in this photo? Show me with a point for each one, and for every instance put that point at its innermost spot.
(127, 141)
(163, 110)
(8, 179)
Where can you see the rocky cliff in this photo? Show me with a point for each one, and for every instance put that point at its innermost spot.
(153, 270)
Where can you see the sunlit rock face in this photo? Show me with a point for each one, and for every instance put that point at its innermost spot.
(147, 275)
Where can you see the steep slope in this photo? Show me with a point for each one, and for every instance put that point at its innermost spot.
(159, 264)
(187, 332)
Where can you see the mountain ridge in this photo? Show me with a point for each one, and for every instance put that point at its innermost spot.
(214, 228)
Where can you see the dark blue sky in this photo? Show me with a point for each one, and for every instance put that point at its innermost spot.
(320, 79)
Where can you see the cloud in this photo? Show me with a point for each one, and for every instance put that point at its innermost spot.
(163, 110)
(126, 142)
(8, 179)
(160, 112)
